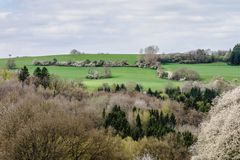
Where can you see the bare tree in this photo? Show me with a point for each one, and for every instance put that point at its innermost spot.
(150, 55)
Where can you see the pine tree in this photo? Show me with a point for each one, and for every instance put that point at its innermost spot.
(117, 88)
(117, 119)
(138, 88)
(138, 121)
(45, 78)
(23, 75)
(37, 72)
(235, 55)
(138, 132)
(172, 120)
(45, 73)
(149, 92)
(42, 77)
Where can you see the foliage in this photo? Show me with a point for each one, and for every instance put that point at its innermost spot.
(11, 63)
(117, 120)
(99, 74)
(170, 147)
(5, 74)
(235, 55)
(137, 132)
(195, 57)
(23, 74)
(185, 74)
(159, 124)
(195, 98)
(105, 87)
(74, 51)
(124, 74)
(219, 137)
(42, 77)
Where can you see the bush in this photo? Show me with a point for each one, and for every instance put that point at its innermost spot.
(185, 74)
(99, 74)
(11, 63)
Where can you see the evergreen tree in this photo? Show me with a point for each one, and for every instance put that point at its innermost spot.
(117, 88)
(42, 77)
(188, 138)
(235, 55)
(156, 94)
(149, 92)
(138, 121)
(138, 88)
(158, 125)
(209, 95)
(45, 77)
(45, 72)
(172, 120)
(23, 75)
(37, 72)
(138, 132)
(173, 93)
(117, 119)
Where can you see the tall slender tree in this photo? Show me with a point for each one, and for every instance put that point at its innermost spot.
(23, 75)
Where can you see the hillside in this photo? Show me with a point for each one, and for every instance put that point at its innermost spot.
(146, 77)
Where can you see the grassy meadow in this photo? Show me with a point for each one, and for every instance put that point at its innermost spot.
(145, 77)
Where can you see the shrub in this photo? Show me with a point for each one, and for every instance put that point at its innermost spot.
(99, 74)
(185, 74)
(5, 74)
(11, 63)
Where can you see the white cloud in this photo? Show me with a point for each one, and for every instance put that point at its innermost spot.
(51, 26)
(4, 15)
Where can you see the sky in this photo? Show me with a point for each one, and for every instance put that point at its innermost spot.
(42, 27)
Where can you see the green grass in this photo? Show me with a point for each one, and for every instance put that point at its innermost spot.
(145, 77)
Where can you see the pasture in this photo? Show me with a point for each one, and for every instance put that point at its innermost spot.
(146, 77)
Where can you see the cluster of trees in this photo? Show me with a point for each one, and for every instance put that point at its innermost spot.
(60, 122)
(195, 98)
(120, 88)
(195, 56)
(42, 77)
(158, 125)
(99, 74)
(156, 93)
(64, 119)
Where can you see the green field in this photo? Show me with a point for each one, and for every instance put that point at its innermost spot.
(145, 77)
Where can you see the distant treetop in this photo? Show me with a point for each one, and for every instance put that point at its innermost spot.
(74, 51)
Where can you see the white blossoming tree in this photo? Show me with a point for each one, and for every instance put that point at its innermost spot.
(219, 137)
